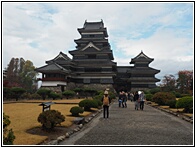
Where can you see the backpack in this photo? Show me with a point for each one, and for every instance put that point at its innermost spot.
(106, 101)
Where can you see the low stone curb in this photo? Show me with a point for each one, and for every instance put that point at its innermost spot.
(75, 130)
(173, 113)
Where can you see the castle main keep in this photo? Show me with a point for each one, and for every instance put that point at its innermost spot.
(92, 65)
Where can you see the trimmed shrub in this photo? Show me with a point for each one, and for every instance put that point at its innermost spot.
(8, 135)
(54, 95)
(68, 93)
(17, 92)
(162, 98)
(171, 103)
(6, 93)
(149, 97)
(50, 118)
(87, 104)
(43, 92)
(36, 96)
(76, 110)
(186, 103)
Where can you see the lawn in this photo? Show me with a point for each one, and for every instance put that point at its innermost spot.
(23, 116)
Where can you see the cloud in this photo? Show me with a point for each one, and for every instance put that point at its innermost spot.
(39, 31)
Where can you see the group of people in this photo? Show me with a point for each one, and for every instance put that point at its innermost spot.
(123, 97)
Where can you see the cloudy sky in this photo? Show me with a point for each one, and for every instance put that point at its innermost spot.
(38, 31)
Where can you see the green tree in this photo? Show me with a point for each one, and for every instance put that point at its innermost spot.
(28, 75)
(68, 93)
(43, 92)
(17, 92)
(50, 118)
(8, 135)
(54, 95)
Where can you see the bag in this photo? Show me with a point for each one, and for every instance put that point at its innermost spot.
(106, 101)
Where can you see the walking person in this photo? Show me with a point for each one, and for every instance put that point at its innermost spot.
(124, 104)
(106, 101)
(142, 99)
(136, 100)
(120, 99)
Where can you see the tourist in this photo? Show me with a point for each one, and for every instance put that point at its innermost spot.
(106, 101)
(142, 99)
(120, 99)
(136, 99)
(131, 96)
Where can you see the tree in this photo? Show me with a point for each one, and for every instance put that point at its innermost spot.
(68, 93)
(50, 118)
(20, 73)
(169, 83)
(27, 75)
(185, 81)
(17, 92)
(43, 92)
(8, 135)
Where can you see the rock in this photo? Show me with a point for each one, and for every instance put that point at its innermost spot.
(53, 142)
(61, 138)
(80, 126)
(79, 120)
(67, 135)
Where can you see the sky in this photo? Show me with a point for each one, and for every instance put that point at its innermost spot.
(38, 31)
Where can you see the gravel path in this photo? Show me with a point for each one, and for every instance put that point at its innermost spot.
(127, 126)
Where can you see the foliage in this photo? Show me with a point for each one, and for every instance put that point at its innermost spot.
(76, 110)
(90, 91)
(154, 90)
(149, 97)
(87, 104)
(20, 73)
(171, 103)
(177, 94)
(8, 135)
(17, 92)
(68, 93)
(168, 83)
(36, 96)
(186, 103)
(50, 118)
(43, 92)
(54, 95)
(162, 98)
(6, 92)
(185, 81)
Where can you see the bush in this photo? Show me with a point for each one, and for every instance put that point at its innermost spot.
(6, 92)
(162, 98)
(50, 118)
(43, 92)
(186, 103)
(68, 93)
(17, 92)
(149, 97)
(76, 110)
(171, 103)
(8, 135)
(87, 104)
(155, 90)
(54, 95)
(36, 96)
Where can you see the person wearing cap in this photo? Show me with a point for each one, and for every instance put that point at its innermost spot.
(106, 101)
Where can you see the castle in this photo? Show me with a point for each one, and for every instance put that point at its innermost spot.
(92, 65)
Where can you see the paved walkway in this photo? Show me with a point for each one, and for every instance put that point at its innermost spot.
(127, 126)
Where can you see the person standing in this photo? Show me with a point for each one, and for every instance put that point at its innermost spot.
(136, 99)
(142, 99)
(106, 101)
(120, 99)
